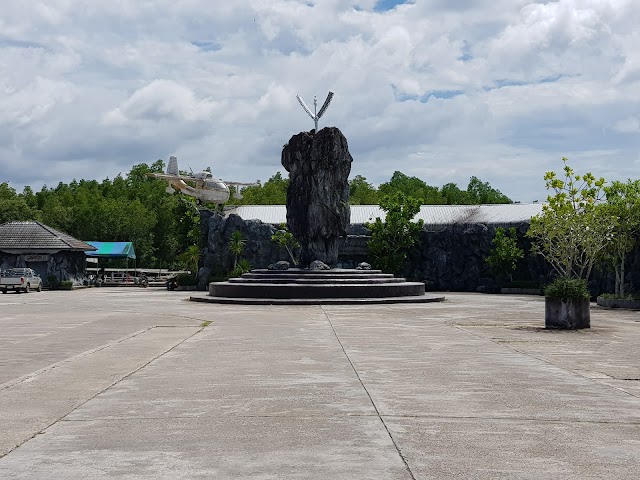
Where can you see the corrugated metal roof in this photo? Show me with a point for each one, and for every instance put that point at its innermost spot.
(434, 216)
(29, 236)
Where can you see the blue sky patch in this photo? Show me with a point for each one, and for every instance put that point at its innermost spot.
(386, 5)
(424, 98)
(207, 46)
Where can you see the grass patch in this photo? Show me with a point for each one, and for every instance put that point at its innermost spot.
(206, 323)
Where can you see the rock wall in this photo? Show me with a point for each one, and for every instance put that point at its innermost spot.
(259, 250)
(318, 211)
(452, 259)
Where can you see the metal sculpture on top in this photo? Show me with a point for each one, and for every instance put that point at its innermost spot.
(316, 116)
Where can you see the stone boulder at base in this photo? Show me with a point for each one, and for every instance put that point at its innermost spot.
(318, 195)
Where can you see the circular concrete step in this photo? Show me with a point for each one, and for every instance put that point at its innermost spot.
(318, 301)
(319, 281)
(325, 290)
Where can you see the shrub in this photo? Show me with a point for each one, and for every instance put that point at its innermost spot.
(567, 288)
(505, 253)
(66, 285)
(53, 282)
(186, 280)
(392, 239)
(243, 266)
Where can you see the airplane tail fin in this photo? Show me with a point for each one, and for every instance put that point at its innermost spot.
(172, 168)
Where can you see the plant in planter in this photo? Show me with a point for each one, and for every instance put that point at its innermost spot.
(567, 304)
(571, 233)
(505, 254)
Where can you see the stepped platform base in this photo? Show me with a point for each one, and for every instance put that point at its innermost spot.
(316, 287)
(318, 301)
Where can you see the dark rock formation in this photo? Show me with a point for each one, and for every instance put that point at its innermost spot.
(259, 250)
(318, 265)
(318, 195)
(281, 265)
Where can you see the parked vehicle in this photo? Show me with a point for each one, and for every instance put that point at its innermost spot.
(20, 280)
(172, 283)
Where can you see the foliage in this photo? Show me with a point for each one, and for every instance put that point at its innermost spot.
(190, 259)
(243, 266)
(362, 192)
(623, 203)
(236, 246)
(66, 285)
(564, 287)
(53, 282)
(412, 186)
(613, 296)
(392, 239)
(482, 193)
(285, 238)
(186, 280)
(573, 228)
(273, 192)
(505, 254)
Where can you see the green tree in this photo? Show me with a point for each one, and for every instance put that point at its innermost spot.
(573, 228)
(392, 238)
(623, 203)
(483, 194)
(273, 192)
(505, 253)
(454, 196)
(411, 186)
(362, 192)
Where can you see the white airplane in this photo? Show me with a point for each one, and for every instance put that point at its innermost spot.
(202, 186)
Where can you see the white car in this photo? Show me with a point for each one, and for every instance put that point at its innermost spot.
(20, 280)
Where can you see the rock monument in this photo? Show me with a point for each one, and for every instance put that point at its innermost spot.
(318, 212)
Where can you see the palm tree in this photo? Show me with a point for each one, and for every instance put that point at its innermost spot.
(236, 246)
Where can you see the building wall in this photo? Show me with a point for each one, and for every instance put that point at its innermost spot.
(64, 265)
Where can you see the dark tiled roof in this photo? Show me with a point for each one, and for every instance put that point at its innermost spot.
(36, 236)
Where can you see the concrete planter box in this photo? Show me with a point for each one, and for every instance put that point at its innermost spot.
(566, 313)
(618, 303)
(521, 291)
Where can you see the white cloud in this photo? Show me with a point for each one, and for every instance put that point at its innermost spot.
(628, 125)
(501, 90)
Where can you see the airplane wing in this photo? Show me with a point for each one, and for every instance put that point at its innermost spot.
(240, 184)
(166, 176)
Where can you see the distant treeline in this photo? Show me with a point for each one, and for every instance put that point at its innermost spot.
(274, 192)
(136, 208)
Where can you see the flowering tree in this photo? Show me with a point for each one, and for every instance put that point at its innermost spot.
(573, 229)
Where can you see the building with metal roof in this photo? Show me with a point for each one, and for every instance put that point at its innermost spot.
(44, 249)
(435, 217)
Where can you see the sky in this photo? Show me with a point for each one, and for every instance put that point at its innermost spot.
(439, 89)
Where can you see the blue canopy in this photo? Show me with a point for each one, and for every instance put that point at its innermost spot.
(112, 250)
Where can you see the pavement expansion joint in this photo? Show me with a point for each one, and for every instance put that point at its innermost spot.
(69, 360)
(373, 404)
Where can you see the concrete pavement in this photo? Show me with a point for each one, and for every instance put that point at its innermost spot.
(130, 383)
